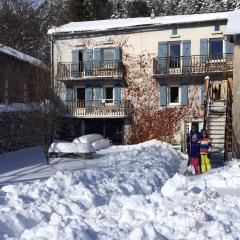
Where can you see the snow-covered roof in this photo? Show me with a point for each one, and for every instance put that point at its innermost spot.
(22, 56)
(110, 24)
(233, 26)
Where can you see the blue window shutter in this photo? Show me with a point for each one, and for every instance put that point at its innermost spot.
(185, 95)
(163, 95)
(75, 63)
(98, 93)
(88, 98)
(203, 49)
(88, 61)
(162, 57)
(229, 49)
(117, 94)
(186, 49)
(202, 94)
(118, 54)
(97, 56)
(69, 94)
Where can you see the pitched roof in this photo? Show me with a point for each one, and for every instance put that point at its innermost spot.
(22, 56)
(124, 23)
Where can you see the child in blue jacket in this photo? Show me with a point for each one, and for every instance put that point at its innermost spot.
(195, 153)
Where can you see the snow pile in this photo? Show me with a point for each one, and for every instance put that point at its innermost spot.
(92, 203)
(136, 194)
(64, 147)
(233, 23)
(101, 144)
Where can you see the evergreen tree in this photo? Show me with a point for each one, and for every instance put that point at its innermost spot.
(86, 10)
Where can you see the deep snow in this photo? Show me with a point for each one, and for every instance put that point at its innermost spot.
(131, 192)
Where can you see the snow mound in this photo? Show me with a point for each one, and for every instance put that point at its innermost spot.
(95, 203)
(101, 144)
(63, 147)
(90, 138)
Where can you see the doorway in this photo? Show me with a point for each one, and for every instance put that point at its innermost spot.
(80, 97)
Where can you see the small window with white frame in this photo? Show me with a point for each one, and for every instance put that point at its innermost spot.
(108, 94)
(174, 95)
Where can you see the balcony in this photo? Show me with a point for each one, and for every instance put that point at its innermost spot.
(192, 65)
(96, 109)
(92, 69)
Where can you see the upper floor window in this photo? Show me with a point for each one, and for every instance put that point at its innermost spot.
(216, 27)
(216, 48)
(174, 54)
(108, 54)
(174, 31)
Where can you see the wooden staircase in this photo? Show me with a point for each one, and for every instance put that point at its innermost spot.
(218, 122)
(216, 125)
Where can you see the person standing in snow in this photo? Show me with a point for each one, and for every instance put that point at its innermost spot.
(205, 143)
(195, 153)
(189, 141)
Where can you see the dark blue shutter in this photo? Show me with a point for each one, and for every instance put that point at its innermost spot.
(229, 49)
(202, 94)
(97, 57)
(69, 94)
(117, 95)
(163, 95)
(118, 54)
(203, 50)
(88, 61)
(98, 95)
(162, 57)
(75, 63)
(118, 58)
(185, 95)
(88, 98)
(186, 50)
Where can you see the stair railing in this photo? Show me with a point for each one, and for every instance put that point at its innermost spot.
(228, 126)
(207, 102)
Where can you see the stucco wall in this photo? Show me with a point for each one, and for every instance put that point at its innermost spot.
(236, 98)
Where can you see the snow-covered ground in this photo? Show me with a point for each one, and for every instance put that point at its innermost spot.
(126, 192)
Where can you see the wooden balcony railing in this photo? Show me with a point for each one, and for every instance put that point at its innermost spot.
(81, 70)
(97, 108)
(193, 64)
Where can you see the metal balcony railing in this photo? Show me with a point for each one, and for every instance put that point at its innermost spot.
(96, 108)
(81, 70)
(193, 64)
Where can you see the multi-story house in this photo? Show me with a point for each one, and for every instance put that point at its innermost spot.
(143, 78)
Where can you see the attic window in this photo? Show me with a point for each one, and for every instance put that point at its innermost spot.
(174, 31)
(216, 27)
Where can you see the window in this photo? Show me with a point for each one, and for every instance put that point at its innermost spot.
(216, 27)
(108, 54)
(174, 54)
(174, 95)
(174, 31)
(109, 94)
(216, 49)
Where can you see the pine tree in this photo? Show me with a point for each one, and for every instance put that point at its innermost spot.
(85, 10)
